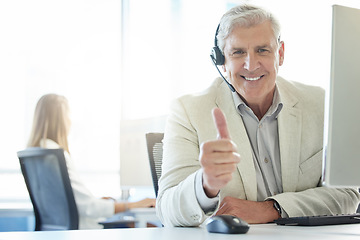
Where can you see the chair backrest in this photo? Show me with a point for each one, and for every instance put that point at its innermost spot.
(155, 151)
(48, 183)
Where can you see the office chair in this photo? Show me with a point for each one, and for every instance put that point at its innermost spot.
(155, 152)
(47, 180)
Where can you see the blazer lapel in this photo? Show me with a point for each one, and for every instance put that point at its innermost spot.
(289, 123)
(239, 135)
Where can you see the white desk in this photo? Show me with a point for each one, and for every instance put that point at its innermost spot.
(142, 216)
(266, 231)
(16, 209)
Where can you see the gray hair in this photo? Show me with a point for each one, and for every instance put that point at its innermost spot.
(245, 16)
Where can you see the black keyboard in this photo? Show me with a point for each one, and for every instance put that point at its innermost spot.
(320, 220)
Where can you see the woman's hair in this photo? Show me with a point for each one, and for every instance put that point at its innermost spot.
(51, 121)
(245, 16)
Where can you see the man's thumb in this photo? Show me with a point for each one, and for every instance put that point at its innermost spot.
(220, 124)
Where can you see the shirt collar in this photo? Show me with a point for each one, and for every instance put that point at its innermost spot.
(274, 109)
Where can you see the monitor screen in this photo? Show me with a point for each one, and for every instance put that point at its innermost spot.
(342, 108)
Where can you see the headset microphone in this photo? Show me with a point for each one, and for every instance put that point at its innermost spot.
(219, 59)
(230, 86)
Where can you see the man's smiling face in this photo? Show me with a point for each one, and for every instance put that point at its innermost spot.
(252, 60)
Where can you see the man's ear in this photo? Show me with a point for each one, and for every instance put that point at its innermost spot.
(223, 68)
(281, 53)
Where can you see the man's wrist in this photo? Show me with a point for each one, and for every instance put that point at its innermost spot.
(207, 204)
(277, 208)
(210, 193)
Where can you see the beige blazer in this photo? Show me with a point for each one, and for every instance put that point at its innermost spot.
(300, 125)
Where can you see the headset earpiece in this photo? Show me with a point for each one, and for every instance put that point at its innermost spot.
(219, 59)
(217, 56)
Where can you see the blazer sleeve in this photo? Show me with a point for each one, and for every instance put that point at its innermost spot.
(177, 204)
(319, 201)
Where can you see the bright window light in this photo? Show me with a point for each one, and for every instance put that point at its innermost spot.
(122, 61)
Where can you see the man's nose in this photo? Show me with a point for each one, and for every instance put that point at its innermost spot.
(251, 62)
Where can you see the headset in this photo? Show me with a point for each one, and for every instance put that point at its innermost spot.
(219, 59)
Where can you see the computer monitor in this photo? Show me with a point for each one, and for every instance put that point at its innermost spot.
(341, 156)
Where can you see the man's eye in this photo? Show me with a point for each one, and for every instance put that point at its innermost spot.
(263, 50)
(238, 52)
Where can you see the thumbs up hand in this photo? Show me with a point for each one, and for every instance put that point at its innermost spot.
(218, 158)
(220, 124)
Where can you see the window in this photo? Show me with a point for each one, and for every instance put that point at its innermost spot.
(72, 48)
(123, 61)
(166, 48)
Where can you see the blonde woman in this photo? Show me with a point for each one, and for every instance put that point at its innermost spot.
(50, 129)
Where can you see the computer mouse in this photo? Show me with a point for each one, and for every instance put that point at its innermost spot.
(227, 224)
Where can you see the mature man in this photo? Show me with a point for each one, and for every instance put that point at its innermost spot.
(266, 161)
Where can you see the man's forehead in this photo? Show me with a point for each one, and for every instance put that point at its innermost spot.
(241, 37)
(239, 43)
